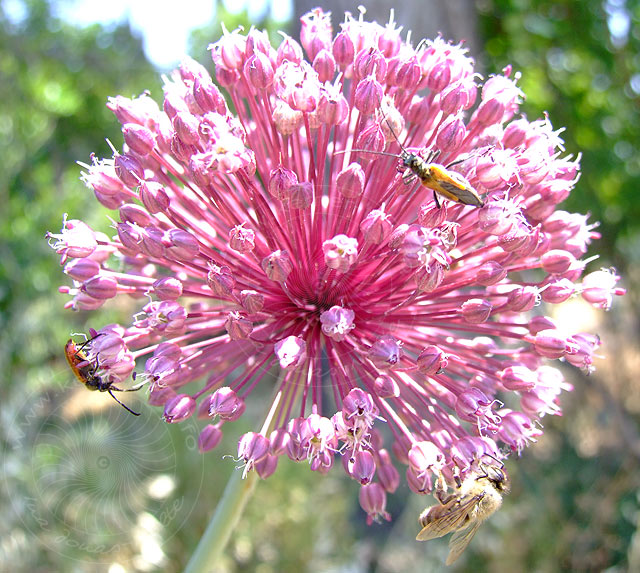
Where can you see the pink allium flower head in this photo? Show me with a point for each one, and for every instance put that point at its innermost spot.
(280, 239)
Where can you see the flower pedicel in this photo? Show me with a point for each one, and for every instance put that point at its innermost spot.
(257, 242)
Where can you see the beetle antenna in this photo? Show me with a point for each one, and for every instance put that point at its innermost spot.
(121, 403)
(81, 347)
(384, 117)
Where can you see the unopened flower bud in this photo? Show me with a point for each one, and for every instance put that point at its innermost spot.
(238, 326)
(138, 138)
(432, 360)
(386, 352)
(476, 310)
(209, 438)
(226, 404)
(277, 266)
(179, 408)
(350, 181)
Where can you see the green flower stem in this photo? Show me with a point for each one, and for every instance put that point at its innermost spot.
(228, 512)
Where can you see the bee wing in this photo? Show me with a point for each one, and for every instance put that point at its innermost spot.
(459, 541)
(449, 521)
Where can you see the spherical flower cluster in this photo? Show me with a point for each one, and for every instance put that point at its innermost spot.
(284, 236)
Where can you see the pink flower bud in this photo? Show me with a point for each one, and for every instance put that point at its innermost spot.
(350, 181)
(343, 50)
(439, 76)
(518, 378)
(131, 213)
(281, 182)
(363, 467)
(432, 360)
(558, 291)
(490, 273)
(386, 387)
(370, 62)
(302, 195)
(180, 245)
(167, 288)
(238, 326)
(101, 287)
(241, 239)
(523, 299)
(289, 50)
(408, 73)
(266, 466)
(151, 241)
(252, 301)
(226, 404)
(209, 438)
(129, 170)
(277, 266)
(557, 261)
(550, 343)
(208, 96)
(229, 51)
(376, 226)
(368, 93)
(259, 71)
(476, 310)
(333, 107)
(538, 323)
(497, 217)
(82, 269)
(278, 441)
(373, 500)
(153, 197)
(138, 138)
(179, 408)
(387, 473)
(325, 65)
(371, 139)
(386, 352)
(451, 134)
(220, 280)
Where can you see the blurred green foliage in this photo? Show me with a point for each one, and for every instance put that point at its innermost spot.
(81, 491)
(55, 81)
(579, 62)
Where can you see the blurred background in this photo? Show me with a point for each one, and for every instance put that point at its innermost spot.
(87, 487)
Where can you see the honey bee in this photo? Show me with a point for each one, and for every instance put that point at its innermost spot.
(475, 499)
